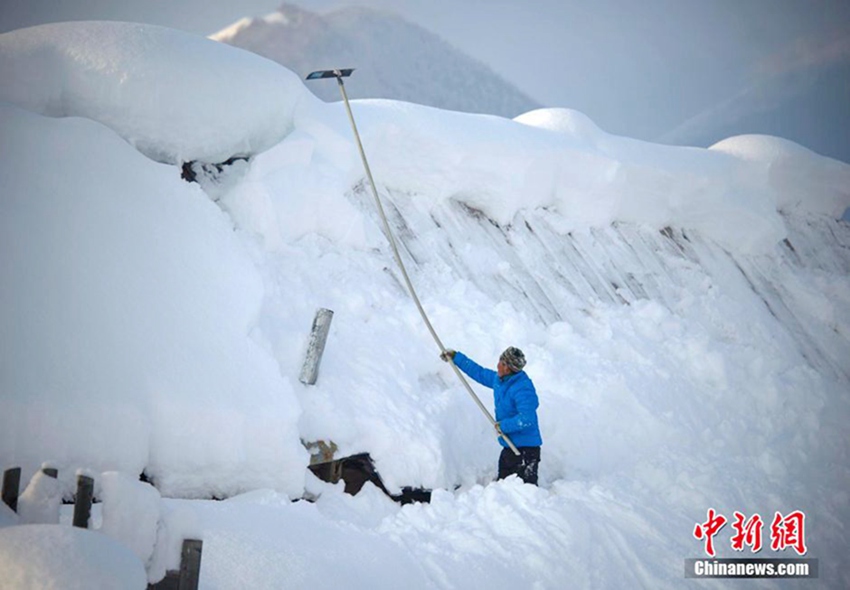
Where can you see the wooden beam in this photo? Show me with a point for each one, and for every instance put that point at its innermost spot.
(316, 347)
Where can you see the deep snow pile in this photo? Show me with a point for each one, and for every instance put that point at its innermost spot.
(685, 313)
(176, 97)
(117, 321)
(799, 180)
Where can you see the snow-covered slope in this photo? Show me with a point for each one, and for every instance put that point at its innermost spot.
(685, 312)
(394, 58)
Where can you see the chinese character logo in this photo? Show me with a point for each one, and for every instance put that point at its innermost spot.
(708, 529)
(788, 531)
(785, 531)
(747, 533)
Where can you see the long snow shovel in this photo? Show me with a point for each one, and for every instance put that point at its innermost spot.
(339, 75)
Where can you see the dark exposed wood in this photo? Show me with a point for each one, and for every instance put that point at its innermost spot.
(82, 503)
(11, 487)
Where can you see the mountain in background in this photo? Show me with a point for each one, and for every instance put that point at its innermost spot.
(810, 106)
(394, 59)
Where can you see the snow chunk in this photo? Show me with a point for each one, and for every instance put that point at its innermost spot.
(802, 179)
(175, 96)
(43, 556)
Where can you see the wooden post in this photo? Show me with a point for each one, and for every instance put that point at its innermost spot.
(316, 347)
(11, 487)
(190, 564)
(189, 574)
(82, 503)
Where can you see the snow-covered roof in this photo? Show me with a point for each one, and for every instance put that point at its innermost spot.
(175, 96)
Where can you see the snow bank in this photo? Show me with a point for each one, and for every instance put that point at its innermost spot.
(175, 96)
(505, 535)
(298, 546)
(46, 557)
(127, 304)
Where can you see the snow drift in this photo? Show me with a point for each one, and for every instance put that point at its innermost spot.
(174, 96)
(109, 306)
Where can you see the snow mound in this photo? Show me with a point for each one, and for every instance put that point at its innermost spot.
(175, 96)
(566, 121)
(44, 557)
(802, 179)
(126, 308)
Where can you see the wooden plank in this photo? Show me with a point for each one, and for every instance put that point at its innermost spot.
(11, 487)
(190, 564)
(82, 503)
(316, 347)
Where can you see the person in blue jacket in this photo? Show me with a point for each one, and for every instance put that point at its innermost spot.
(516, 409)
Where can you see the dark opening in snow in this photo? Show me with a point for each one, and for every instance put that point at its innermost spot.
(356, 470)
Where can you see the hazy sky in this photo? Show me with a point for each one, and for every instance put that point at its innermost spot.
(636, 67)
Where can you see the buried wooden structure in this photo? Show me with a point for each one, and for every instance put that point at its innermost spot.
(355, 471)
(11, 487)
(316, 346)
(189, 574)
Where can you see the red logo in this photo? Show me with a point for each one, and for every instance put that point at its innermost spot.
(789, 531)
(747, 533)
(785, 531)
(708, 529)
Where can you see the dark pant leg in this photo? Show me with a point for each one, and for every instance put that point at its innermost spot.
(507, 463)
(524, 466)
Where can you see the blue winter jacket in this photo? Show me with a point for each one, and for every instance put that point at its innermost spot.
(515, 398)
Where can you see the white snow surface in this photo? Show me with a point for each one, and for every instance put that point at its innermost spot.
(40, 501)
(54, 557)
(685, 313)
(799, 180)
(110, 306)
(176, 97)
(130, 512)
